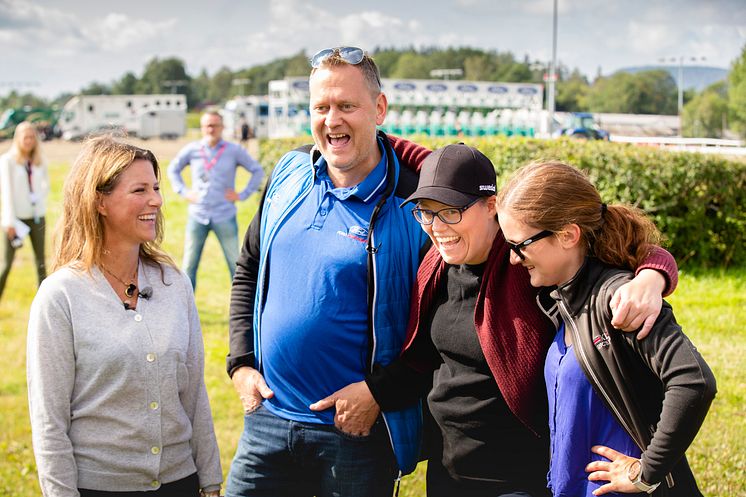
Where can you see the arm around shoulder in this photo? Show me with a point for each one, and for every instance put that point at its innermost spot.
(410, 154)
(664, 262)
(636, 304)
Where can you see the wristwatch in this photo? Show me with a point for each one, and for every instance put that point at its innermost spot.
(634, 473)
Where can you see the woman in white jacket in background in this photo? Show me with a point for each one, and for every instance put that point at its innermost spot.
(24, 185)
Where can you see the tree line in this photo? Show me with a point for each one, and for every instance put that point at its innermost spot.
(707, 113)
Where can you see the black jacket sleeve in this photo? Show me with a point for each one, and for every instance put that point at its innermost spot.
(243, 293)
(397, 385)
(688, 390)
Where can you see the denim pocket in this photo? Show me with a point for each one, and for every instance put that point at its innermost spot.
(254, 410)
(354, 438)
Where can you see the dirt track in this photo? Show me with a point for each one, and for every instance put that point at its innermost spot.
(56, 151)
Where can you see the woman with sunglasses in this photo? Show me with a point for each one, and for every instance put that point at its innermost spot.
(474, 321)
(24, 185)
(623, 410)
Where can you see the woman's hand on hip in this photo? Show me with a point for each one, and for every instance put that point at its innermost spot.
(615, 471)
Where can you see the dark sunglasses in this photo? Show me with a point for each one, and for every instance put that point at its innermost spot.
(518, 247)
(351, 55)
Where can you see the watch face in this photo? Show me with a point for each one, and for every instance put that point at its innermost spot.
(634, 471)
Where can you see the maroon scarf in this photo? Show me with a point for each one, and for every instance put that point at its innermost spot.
(513, 332)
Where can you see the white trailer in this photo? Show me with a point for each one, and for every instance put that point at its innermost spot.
(254, 109)
(162, 123)
(288, 107)
(145, 116)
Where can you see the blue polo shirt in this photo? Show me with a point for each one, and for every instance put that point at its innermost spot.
(578, 420)
(314, 324)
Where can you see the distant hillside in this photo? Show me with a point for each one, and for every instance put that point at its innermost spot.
(697, 77)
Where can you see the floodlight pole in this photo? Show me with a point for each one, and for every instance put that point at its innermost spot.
(174, 83)
(552, 77)
(680, 84)
(242, 82)
(446, 73)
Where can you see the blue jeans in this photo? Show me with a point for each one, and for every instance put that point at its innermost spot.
(280, 458)
(194, 242)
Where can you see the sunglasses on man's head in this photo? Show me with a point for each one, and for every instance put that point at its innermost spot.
(351, 55)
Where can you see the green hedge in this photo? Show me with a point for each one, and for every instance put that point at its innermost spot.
(698, 201)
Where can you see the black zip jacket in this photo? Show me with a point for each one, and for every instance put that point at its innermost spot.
(659, 389)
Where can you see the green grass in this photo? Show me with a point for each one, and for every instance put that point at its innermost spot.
(711, 307)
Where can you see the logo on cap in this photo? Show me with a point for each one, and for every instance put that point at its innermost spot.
(455, 175)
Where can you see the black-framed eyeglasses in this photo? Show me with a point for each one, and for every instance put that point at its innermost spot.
(449, 215)
(351, 55)
(518, 247)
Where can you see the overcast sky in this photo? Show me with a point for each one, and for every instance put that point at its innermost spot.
(52, 46)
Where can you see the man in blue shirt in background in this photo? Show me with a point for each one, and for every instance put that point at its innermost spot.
(212, 196)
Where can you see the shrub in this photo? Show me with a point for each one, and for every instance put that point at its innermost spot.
(698, 201)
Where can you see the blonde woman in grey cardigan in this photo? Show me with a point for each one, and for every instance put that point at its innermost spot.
(115, 357)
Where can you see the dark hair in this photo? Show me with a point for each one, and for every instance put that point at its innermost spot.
(550, 195)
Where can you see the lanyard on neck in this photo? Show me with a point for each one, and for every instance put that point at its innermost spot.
(32, 195)
(30, 174)
(209, 164)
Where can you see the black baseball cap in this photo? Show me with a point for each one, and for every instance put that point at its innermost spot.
(455, 175)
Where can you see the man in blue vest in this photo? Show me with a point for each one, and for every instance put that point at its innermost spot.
(321, 297)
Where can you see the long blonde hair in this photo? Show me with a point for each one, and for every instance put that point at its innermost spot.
(15, 149)
(79, 234)
(550, 195)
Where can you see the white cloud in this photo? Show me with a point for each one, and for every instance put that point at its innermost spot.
(295, 25)
(76, 41)
(645, 37)
(119, 31)
(26, 27)
(30, 28)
